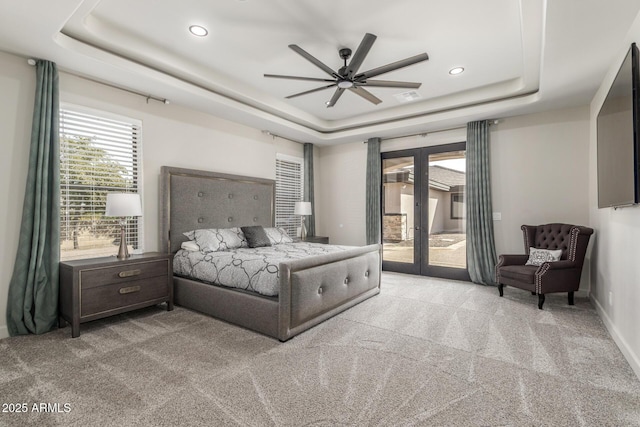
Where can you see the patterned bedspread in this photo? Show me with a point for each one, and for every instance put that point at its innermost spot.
(251, 269)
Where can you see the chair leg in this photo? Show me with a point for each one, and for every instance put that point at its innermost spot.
(533, 292)
(540, 300)
(500, 286)
(571, 298)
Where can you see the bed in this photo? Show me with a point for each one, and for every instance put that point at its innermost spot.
(311, 289)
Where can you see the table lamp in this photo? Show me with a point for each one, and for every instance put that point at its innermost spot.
(303, 209)
(123, 205)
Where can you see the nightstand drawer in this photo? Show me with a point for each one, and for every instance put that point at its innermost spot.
(101, 299)
(122, 273)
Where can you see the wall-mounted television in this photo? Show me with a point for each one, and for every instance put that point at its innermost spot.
(618, 140)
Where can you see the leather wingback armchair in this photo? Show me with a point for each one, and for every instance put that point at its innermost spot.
(558, 276)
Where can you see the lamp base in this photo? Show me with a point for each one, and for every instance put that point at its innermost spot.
(123, 252)
(303, 232)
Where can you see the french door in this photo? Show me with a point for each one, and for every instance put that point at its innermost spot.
(423, 211)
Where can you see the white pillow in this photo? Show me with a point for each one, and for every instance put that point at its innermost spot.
(277, 235)
(190, 246)
(540, 256)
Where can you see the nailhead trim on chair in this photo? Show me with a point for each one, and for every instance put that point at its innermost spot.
(574, 243)
(543, 269)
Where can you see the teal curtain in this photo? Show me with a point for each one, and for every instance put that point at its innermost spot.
(481, 250)
(32, 305)
(309, 220)
(373, 191)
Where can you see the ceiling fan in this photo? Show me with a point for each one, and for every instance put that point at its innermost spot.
(347, 77)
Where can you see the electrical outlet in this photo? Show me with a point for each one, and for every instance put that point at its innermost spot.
(610, 298)
(497, 216)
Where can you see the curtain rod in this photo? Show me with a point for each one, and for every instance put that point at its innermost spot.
(424, 134)
(274, 136)
(148, 97)
(144, 95)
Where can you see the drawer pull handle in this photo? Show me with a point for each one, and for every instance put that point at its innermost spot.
(129, 273)
(129, 290)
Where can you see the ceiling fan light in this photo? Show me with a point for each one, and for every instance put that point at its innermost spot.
(198, 30)
(456, 70)
(345, 84)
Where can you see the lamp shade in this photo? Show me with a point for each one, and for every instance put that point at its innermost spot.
(123, 204)
(302, 208)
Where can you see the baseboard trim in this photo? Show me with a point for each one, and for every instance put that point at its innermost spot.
(632, 358)
(4, 332)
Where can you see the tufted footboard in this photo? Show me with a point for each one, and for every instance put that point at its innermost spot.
(315, 289)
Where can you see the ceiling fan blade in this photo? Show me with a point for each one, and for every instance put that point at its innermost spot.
(311, 91)
(306, 55)
(365, 94)
(393, 66)
(312, 79)
(361, 53)
(336, 95)
(388, 83)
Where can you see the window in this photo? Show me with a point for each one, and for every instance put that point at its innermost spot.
(457, 206)
(289, 190)
(99, 153)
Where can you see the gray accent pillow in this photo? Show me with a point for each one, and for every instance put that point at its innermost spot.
(256, 236)
(218, 239)
(540, 256)
(277, 235)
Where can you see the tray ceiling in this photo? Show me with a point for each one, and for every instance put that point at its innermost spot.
(518, 56)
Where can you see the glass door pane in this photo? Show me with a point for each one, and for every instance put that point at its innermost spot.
(447, 210)
(398, 208)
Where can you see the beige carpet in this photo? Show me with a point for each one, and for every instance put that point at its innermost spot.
(424, 352)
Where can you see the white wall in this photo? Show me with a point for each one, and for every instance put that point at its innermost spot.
(340, 193)
(615, 273)
(172, 136)
(539, 172)
(17, 86)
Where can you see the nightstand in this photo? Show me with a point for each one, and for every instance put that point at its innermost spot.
(94, 288)
(313, 239)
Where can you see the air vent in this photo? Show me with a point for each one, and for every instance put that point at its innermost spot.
(412, 95)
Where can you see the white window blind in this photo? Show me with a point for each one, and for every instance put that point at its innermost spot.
(98, 155)
(289, 190)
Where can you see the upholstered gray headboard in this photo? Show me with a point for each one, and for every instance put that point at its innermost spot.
(194, 199)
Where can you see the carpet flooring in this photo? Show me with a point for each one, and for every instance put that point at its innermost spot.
(425, 352)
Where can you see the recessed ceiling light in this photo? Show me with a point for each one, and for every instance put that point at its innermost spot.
(198, 30)
(456, 70)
